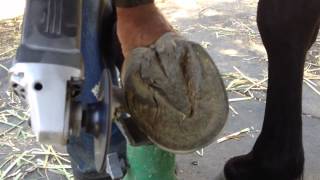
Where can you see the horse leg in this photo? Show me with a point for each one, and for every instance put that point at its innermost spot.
(288, 28)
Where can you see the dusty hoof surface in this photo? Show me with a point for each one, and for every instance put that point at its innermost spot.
(175, 94)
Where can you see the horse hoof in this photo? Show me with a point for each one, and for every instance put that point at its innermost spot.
(247, 167)
(175, 94)
(239, 168)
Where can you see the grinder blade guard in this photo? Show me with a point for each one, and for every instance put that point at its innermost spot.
(48, 74)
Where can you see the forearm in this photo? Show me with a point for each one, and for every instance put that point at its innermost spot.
(131, 3)
(140, 26)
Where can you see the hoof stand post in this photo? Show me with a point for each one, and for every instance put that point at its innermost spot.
(150, 163)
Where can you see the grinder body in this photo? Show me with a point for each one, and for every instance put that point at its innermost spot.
(47, 60)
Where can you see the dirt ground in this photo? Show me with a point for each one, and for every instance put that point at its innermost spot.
(227, 29)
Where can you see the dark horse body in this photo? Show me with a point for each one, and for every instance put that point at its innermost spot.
(288, 29)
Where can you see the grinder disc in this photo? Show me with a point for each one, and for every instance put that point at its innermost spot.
(103, 121)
